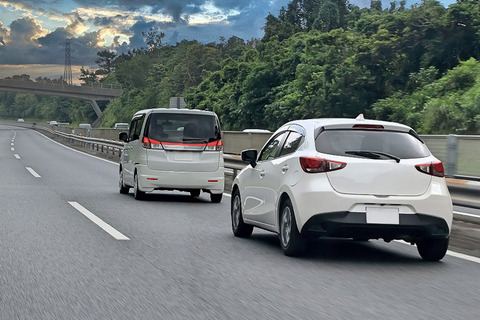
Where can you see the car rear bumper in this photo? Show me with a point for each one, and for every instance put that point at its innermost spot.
(411, 227)
(150, 180)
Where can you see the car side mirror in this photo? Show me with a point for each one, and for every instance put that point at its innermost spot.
(123, 136)
(250, 156)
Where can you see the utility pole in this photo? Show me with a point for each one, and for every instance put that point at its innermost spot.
(67, 71)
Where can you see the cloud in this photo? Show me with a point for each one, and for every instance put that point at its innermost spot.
(25, 30)
(94, 25)
(76, 23)
(3, 33)
(173, 8)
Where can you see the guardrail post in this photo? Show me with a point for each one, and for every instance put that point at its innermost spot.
(452, 155)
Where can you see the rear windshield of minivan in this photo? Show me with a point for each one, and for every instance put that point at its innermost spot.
(183, 128)
(354, 143)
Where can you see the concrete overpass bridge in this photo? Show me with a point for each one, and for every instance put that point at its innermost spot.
(91, 93)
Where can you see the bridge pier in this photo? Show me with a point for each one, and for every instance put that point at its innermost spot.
(96, 108)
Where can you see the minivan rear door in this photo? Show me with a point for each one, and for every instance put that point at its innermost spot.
(186, 142)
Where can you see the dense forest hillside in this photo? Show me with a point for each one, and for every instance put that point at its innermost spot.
(318, 58)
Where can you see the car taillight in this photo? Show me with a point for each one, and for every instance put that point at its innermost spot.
(433, 169)
(214, 146)
(316, 165)
(148, 143)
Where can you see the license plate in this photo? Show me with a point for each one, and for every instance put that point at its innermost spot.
(184, 156)
(383, 215)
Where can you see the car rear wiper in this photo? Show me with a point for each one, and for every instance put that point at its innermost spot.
(373, 154)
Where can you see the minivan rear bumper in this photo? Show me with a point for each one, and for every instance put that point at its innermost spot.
(150, 180)
(411, 227)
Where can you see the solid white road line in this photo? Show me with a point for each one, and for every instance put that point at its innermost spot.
(467, 214)
(85, 154)
(463, 256)
(36, 175)
(99, 222)
(17, 156)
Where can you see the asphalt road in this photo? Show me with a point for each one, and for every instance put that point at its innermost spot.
(181, 260)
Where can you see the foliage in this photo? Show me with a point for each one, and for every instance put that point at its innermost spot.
(448, 105)
(88, 77)
(318, 58)
(105, 61)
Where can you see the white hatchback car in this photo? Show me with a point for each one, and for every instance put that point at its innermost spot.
(173, 149)
(344, 178)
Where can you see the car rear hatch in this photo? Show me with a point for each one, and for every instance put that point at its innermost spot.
(380, 178)
(379, 161)
(183, 142)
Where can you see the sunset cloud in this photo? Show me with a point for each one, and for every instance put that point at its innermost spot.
(35, 31)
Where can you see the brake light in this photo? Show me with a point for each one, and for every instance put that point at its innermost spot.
(434, 169)
(316, 165)
(374, 127)
(214, 146)
(148, 143)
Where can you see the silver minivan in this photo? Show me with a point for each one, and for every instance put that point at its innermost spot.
(173, 149)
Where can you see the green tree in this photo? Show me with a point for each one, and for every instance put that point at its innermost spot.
(105, 61)
(88, 77)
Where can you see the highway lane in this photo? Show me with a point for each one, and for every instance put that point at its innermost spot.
(181, 260)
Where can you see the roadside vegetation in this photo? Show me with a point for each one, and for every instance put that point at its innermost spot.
(318, 58)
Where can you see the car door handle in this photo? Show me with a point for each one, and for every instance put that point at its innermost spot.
(284, 168)
(262, 173)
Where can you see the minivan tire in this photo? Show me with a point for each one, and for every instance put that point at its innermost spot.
(194, 193)
(122, 187)
(216, 197)
(137, 193)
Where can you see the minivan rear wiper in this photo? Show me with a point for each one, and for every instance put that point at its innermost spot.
(203, 140)
(373, 154)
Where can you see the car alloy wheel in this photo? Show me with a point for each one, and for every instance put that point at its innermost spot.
(286, 227)
(239, 228)
(292, 242)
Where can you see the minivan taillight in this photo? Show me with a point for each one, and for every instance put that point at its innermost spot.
(214, 146)
(316, 165)
(148, 143)
(433, 169)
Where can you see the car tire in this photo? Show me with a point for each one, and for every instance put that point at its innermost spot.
(137, 193)
(195, 193)
(433, 249)
(293, 243)
(122, 187)
(240, 229)
(216, 197)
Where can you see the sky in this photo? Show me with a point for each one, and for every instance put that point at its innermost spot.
(33, 32)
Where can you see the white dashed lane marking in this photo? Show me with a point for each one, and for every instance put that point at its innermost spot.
(36, 175)
(99, 222)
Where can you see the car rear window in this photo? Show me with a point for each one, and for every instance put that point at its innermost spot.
(183, 128)
(354, 143)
